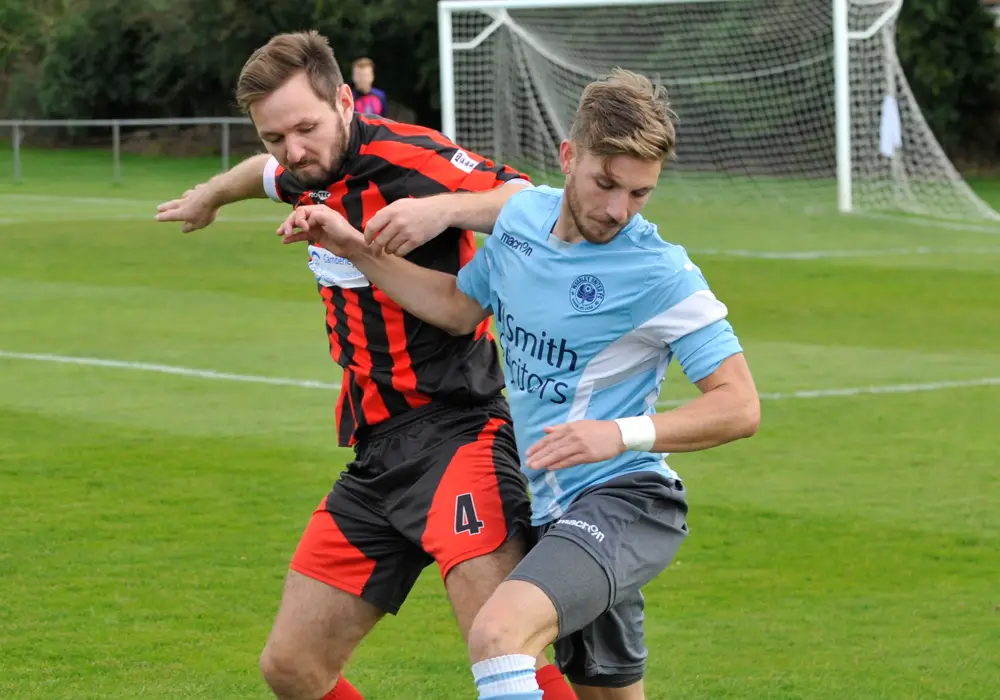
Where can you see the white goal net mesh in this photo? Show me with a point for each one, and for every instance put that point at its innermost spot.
(752, 82)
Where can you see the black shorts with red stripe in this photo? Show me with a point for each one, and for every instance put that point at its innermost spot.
(439, 484)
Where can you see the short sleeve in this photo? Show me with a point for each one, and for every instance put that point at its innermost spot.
(439, 165)
(678, 310)
(474, 279)
(279, 184)
(700, 353)
(465, 171)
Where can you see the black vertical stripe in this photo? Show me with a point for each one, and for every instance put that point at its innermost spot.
(376, 337)
(331, 332)
(347, 349)
(348, 421)
(454, 369)
(340, 327)
(395, 179)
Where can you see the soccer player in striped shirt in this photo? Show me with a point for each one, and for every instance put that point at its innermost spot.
(436, 476)
(591, 305)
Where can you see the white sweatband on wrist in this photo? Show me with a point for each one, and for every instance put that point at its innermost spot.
(638, 433)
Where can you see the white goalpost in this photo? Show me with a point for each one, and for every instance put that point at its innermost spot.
(801, 102)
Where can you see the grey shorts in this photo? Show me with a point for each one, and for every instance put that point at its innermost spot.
(592, 563)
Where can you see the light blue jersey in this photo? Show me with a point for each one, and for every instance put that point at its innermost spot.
(588, 330)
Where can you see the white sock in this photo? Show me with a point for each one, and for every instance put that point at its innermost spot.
(510, 677)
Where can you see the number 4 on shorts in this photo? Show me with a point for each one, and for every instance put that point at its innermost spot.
(466, 519)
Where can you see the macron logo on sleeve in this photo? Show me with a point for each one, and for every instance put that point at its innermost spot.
(463, 162)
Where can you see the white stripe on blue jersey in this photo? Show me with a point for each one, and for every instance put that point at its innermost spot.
(588, 331)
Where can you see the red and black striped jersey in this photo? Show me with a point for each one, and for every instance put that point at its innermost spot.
(393, 362)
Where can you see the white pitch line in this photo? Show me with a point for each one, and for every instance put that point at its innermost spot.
(721, 252)
(97, 201)
(760, 254)
(276, 219)
(874, 389)
(858, 253)
(932, 223)
(986, 227)
(309, 384)
(828, 254)
(167, 369)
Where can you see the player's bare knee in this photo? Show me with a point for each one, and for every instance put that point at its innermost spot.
(280, 672)
(292, 675)
(496, 634)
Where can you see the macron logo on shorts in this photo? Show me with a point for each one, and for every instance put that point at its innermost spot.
(591, 530)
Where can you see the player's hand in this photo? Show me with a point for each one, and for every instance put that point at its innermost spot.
(577, 442)
(405, 225)
(195, 208)
(320, 225)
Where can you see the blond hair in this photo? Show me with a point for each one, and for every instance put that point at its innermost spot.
(284, 56)
(625, 114)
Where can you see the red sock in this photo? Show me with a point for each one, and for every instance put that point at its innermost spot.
(553, 685)
(343, 691)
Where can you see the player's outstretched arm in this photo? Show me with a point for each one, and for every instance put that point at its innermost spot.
(728, 409)
(407, 224)
(198, 207)
(429, 295)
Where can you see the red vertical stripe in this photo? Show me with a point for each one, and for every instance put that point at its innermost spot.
(326, 293)
(472, 471)
(466, 248)
(335, 200)
(371, 201)
(324, 553)
(404, 379)
(371, 401)
(331, 321)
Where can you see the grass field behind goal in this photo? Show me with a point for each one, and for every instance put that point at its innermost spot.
(850, 550)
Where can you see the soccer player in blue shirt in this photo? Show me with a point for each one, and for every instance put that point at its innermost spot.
(590, 305)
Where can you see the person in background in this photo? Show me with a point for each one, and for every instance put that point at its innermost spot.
(368, 99)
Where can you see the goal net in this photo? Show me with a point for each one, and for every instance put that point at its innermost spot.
(801, 102)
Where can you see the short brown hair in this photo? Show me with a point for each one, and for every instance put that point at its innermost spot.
(363, 62)
(285, 55)
(625, 114)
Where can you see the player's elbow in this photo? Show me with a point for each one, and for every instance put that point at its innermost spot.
(746, 416)
(463, 325)
(464, 314)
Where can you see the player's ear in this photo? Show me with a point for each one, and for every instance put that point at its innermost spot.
(567, 153)
(345, 101)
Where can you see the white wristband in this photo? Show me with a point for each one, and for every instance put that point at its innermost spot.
(638, 433)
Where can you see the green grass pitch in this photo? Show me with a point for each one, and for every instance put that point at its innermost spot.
(851, 550)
